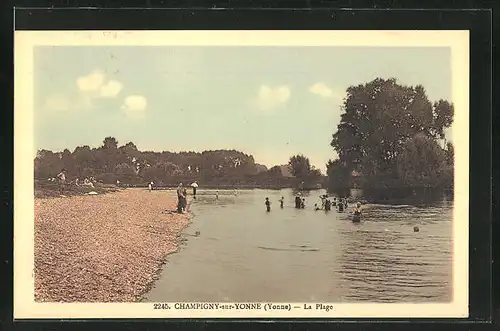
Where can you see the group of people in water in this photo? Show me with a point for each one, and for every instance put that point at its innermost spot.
(326, 204)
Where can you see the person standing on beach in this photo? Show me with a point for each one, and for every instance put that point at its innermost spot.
(62, 180)
(268, 204)
(184, 199)
(281, 202)
(194, 185)
(180, 201)
(150, 186)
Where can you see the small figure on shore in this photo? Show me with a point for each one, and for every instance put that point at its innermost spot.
(184, 200)
(303, 203)
(194, 185)
(416, 229)
(76, 182)
(62, 180)
(268, 204)
(180, 198)
(217, 195)
(334, 203)
(282, 200)
(117, 183)
(316, 207)
(150, 186)
(327, 205)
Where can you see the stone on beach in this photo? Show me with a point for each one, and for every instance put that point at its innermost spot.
(108, 248)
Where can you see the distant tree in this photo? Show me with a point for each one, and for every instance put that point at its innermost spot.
(47, 164)
(300, 166)
(110, 143)
(422, 163)
(84, 159)
(450, 154)
(125, 169)
(338, 174)
(275, 172)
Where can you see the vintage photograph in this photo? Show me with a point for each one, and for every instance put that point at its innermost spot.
(220, 177)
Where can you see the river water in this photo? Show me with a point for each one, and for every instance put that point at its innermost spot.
(245, 254)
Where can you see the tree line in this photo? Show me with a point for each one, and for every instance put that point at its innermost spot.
(111, 162)
(390, 136)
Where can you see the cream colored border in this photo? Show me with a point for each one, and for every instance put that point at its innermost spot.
(25, 41)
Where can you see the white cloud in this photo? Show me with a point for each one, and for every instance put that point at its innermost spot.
(96, 84)
(325, 91)
(134, 106)
(270, 98)
(91, 82)
(57, 102)
(110, 89)
(321, 89)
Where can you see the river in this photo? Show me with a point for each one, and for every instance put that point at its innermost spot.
(243, 253)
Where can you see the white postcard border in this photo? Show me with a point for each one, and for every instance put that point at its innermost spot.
(24, 43)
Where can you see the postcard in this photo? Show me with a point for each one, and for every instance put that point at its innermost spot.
(241, 174)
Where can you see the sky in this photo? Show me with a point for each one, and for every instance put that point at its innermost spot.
(270, 102)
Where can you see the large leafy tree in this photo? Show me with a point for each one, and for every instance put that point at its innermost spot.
(378, 120)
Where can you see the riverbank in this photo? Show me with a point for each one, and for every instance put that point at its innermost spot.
(103, 248)
(46, 189)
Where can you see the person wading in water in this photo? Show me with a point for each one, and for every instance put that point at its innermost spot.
(268, 204)
(297, 202)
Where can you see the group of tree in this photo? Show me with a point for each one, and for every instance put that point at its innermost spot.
(301, 169)
(110, 162)
(391, 135)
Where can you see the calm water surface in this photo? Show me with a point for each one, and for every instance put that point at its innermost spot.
(244, 253)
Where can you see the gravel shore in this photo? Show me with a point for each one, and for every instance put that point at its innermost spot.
(103, 248)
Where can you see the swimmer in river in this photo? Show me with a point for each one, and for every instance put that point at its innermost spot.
(281, 201)
(323, 198)
(268, 204)
(357, 210)
(341, 206)
(327, 205)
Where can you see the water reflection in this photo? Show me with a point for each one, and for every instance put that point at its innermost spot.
(244, 253)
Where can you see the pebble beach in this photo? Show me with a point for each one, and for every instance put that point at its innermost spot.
(103, 248)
